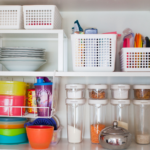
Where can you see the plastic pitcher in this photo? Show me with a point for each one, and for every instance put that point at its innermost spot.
(43, 90)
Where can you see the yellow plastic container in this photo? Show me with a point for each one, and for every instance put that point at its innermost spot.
(13, 88)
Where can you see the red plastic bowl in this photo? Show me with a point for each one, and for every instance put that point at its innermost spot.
(6, 100)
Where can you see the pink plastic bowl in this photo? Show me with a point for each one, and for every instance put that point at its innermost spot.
(6, 100)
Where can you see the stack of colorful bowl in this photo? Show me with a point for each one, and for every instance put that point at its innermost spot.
(12, 131)
(12, 93)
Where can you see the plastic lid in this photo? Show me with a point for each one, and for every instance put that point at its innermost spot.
(141, 86)
(75, 86)
(116, 102)
(7, 119)
(43, 81)
(101, 102)
(120, 86)
(141, 102)
(97, 86)
(75, 101)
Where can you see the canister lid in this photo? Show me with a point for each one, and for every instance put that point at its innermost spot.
(9, 119)
(97, 86)
(141, 102)
(120, 86)
(101, 102)
(75, 86)
(75, 101)
(141, 86)
(116, 102)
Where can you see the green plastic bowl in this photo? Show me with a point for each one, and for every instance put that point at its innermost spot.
(12, 132)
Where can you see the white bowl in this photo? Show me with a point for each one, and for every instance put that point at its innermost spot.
(22, 65)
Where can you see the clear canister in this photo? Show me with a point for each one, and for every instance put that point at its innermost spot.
(97, 91)
(97, 118)
(75, 120)
(141, 121)
(120, 91)
(142, 92)
(75, 91)
(120, 112)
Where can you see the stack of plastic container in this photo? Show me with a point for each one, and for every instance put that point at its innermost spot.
(75, 112)
(97, 101)
(120, 105)
(12, 93)
(141, 113)
(12, 131)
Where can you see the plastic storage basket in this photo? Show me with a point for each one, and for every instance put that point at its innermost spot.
(93, 52)
(41, 17)
(11, 17)
(135, 59)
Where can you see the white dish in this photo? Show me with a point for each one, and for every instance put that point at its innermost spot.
(25, 51)
(21, 48)
(23, 58)
(22, 65)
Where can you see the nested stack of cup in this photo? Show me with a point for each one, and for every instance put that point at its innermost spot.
(120, 104)
(75, 112)
(97, 101)
(141, 113)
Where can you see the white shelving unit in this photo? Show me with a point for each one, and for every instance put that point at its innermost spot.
(90, 13)
(40, 35)
(64, 145)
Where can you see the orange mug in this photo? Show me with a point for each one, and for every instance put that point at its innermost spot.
(39, 136)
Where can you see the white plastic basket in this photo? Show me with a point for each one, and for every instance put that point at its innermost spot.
(93, 52)
(11, 17)
(135, 59)
(41, 17)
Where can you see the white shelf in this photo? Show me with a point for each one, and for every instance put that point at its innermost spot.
(76, 74)
(64, 145)
(87, 5)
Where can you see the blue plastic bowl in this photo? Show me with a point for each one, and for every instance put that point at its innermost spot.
(13, 139)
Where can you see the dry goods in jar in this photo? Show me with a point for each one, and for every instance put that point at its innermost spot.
(95, 131)
(97, 94)
(143, 94)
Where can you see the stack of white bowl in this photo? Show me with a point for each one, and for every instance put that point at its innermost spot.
(22, 58)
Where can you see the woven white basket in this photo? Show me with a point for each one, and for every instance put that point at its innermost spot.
(42, 17)
(93, 52)
(11, 17)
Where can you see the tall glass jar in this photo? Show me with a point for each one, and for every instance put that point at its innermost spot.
(141, 121)
(120, 112)
(97, 118)
(75, 120)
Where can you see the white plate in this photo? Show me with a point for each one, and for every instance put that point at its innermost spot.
(21, 51)
(21, 48)
(23, 58)
(22, 54)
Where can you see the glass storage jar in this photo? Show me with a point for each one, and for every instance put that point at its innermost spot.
(120, 91)
(97, 91)
(141, 121)
(75, 91)
(97, 118)
(120, 112)
(142, 92)
(75, 120)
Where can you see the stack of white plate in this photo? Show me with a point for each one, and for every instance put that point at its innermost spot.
(22, 58)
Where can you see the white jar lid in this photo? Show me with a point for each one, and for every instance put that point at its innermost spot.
(75, 101)
(116, 102)
(97, 86)
(141, 86)
(75, 86)
(97, 101)
(141, 102)
(120, 86)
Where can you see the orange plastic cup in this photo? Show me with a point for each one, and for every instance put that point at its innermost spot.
(40, 136)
